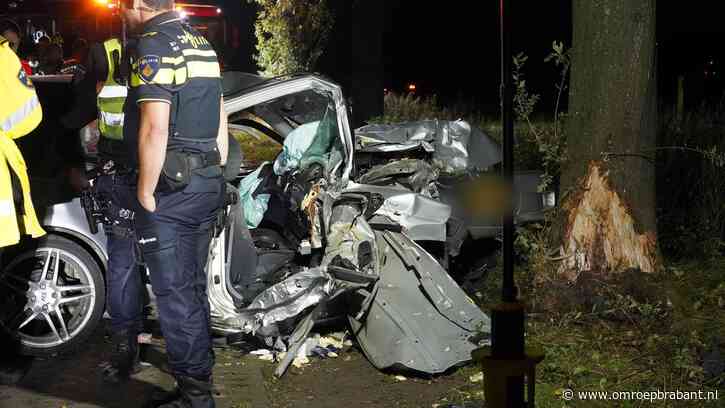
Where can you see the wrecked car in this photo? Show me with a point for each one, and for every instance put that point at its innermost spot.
(458, 166)
(326, 246)
(303, 243)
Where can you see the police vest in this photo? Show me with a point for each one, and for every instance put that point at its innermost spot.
(192, 75)
(20, 113)
(112, 96)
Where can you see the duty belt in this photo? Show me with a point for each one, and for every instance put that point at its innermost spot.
(203, 160)
(180, 166)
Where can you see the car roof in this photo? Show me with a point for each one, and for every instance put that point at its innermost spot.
(235, 83)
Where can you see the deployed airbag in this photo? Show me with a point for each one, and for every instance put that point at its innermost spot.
(254, 205)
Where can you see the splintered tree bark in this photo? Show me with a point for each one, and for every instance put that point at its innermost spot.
(607, 223)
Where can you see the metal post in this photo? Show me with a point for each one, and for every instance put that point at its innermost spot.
(507, 124)
(507, 361)
(504, 387)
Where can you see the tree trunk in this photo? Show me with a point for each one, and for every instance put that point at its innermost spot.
(607, 220)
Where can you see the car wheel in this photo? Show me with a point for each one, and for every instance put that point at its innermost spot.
(51, 296)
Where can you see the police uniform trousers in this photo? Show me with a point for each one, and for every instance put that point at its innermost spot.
(174, 242)
(125, 287)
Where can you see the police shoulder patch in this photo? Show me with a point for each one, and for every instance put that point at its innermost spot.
(23, 77)
(148, 67)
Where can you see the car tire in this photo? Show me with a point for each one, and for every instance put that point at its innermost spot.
(75, 292)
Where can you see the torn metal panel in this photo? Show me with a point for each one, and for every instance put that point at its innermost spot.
(456, 146)
(414, 174)
(287, 299)
(483, 150)
(423, 219)
(416, 317)
(350, 253)
(350, 240)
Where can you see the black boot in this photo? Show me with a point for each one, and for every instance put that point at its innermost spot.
(193, 393)
(124, 360)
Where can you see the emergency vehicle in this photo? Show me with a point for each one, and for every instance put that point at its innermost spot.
(97, 20)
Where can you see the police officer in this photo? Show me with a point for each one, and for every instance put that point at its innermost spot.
(100, 87)
(176, 125)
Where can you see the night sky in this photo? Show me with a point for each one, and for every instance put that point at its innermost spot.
(454, 51)
(451, 49)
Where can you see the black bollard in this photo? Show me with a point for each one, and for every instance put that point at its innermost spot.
(507, 363)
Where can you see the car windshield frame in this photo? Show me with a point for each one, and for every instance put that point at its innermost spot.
(279, 89)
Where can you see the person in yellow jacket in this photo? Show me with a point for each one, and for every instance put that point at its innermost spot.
(20, 113)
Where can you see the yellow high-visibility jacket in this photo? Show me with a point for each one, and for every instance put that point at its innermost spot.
(20, 113)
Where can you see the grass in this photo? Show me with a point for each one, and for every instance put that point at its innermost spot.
(256, 148)
(615, 340)
(627, 344)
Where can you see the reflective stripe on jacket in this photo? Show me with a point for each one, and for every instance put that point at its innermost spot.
(20, 113)
(112, 96)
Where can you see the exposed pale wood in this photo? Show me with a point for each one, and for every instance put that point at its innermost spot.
(601, 233)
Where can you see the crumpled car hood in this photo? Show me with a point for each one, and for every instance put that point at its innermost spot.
(456, 145)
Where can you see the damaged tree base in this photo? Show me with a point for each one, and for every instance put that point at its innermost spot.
(601, 234)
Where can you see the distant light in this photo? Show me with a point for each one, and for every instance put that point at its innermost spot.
(183, 14)
(412, 87)
(218, 11)
(102, 2)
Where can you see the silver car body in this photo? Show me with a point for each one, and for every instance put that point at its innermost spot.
(431, 331)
